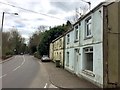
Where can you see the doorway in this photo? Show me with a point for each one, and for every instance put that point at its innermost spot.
(76, 61)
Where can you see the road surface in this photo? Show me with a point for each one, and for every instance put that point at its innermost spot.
(24, 71)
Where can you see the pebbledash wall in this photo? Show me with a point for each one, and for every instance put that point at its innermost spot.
(95, 43)
(88, 47)
(69, 51)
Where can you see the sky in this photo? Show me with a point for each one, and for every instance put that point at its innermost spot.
(34, 13)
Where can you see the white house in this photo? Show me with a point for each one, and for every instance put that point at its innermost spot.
(85, 46)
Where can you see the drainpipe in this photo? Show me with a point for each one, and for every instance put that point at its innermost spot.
(64, 51)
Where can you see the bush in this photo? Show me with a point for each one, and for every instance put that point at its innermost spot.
(6, 56)
(36, 54)
(9, 53)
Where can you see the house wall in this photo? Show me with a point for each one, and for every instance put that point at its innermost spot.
(113, 60)
(58, 47)
(119, 43)
(96, 41)
(69, 47)
(96, 76)
(70, 66)
(51, 51)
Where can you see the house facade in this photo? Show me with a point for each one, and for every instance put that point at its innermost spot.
(71, 47)
(57, 50)
(51, 51)
(90, 45)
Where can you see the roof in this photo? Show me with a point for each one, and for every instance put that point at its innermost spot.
(62, 35)
(93, 10)
(58, 38)
(84, 16)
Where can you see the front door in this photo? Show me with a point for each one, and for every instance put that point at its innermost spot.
(76, 61)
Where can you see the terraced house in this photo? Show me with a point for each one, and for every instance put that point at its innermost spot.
(91, 47)
(57, 50)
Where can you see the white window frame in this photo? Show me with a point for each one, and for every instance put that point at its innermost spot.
(88, 50)
(88, 27)
(67, 62)
(68, 38)
(60, 41)
(76, 32)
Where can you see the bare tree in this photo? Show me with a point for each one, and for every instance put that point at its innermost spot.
(42, 28)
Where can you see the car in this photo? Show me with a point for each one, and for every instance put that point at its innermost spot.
(21, 53)
(45, 58)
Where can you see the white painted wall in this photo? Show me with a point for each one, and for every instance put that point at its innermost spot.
(69, 48)
(97, 28)
(71, 59)
(97, 64)
(96, 41)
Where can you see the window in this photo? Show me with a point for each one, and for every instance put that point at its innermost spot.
(88, 32)
(88, 59)
(57, 45)
(60, 56)
(68, 39)
(60, 45)
(76, 33)
(67, 62)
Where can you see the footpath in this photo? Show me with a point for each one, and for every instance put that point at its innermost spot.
(61, 78)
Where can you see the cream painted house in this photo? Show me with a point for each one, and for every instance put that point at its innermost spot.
(51, 51)
(57, 50)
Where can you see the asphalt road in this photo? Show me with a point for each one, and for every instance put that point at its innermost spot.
(24, 71)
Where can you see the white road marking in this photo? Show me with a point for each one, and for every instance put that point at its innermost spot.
(45, 85)
(6, 60)
(15, 57)
(20, 65)
(16, 68)
(39, 62)
(3, 75)
(52, 86)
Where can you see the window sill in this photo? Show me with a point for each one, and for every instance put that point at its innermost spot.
(88, 72)
(67, 65)
(88, 37)
(76, 41)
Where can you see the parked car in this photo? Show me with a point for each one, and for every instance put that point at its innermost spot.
(21, 53)
(45, 58)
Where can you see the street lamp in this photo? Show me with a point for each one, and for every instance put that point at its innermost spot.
(89, 3)
(3, 18)
(2, 30)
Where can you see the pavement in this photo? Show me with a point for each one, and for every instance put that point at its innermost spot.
(61, 78)
(2, 61)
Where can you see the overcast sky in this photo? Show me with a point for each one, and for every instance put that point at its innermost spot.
(45, 12)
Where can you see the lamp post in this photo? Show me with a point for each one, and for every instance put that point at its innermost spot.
(89, 3)
(2, 31)
(3, 18)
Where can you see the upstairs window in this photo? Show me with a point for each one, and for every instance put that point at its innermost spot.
(88, 32)
(76, 33)
(60, 43)
(68, 39)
